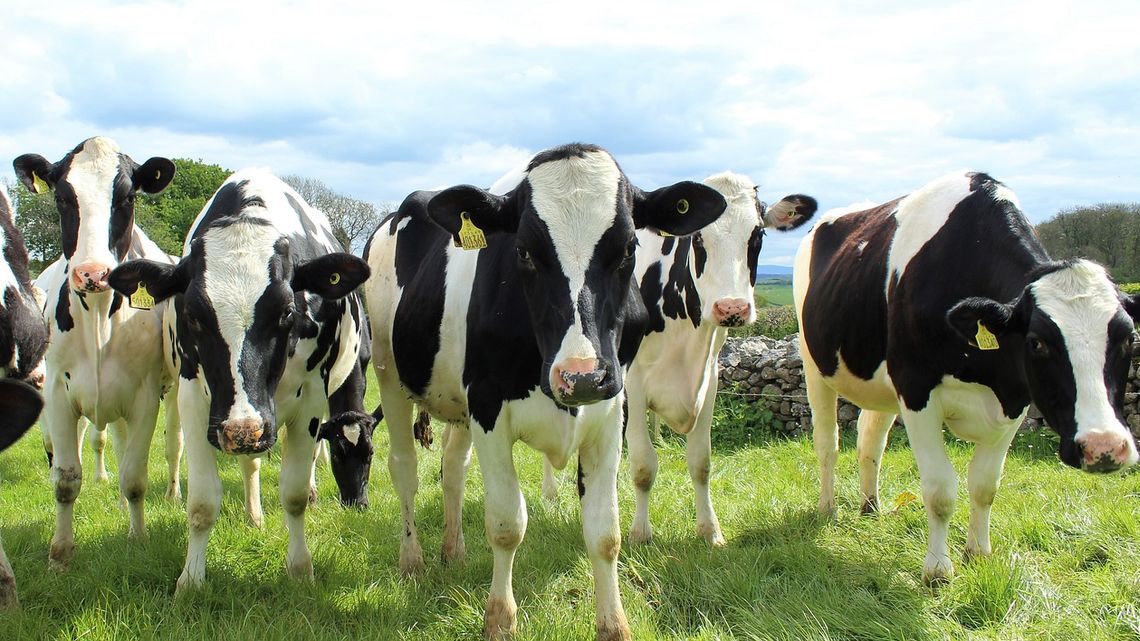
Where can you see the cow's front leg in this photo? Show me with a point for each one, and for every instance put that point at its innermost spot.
(402, 464)
(939, 488)
(8, 598)
(825, 433)
(66, 472)
(598, 462)
(698, 454)
(874, 427)
(456, 460)
(97, 438)
(174, 447)
(505, 524)
(133, 460)
(296, 473)
(642, 460)
(203, 487)
(251, 483)
(982, 484)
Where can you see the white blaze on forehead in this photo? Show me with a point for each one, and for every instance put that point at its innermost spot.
(235, 276)
(577, 199)
(92, 176)
(1081, 301)
(921, 215)
(352, 433)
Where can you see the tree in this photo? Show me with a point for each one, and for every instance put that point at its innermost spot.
(1108, 233)
(166, 217)
(38, 221)
(352, 220)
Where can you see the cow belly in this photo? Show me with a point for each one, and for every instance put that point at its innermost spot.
(876, 394)
(675, 369)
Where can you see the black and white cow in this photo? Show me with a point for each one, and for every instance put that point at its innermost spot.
(526, 339)
(264, 333)
(695, 289)
(20, 406)
(944, 307)
(104, 360)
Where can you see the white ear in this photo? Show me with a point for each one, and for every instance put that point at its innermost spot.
(352, 433)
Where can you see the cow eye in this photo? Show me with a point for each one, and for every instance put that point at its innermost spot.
(630, 248)
(525, 258)
(286, 319)
(1037, 347)
(193, 324)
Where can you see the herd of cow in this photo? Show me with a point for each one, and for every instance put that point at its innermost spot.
(556, 307)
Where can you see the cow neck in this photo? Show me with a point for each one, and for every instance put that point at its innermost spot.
(96, 324)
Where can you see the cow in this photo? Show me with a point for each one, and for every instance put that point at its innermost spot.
(263, 333)
(943, 307)
(20, 406)
(526, 339)
(694, 289)
(104, 360)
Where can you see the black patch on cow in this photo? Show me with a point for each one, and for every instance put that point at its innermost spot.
(755, 243)
(581, 481)
(314, 425)
(679, 299)
(700, 254)
(116, 303)
(573, 150)
(667, 245)
(83, 301)
(651, 291)
(63, 319)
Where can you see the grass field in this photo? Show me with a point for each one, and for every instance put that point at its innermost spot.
(1067, 549)
(775, 291)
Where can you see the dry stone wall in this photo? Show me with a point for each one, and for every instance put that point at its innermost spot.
(770, 372)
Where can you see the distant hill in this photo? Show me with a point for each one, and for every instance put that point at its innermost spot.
(773, 270)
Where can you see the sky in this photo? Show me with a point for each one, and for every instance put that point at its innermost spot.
(846, 101)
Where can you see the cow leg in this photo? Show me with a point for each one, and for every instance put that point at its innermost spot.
(598, 463)
(549, 482)
(456, 461)
(296, 476)
(173, 448)
(97, 438)
(402, 465)
(642, 459)
(698, 453)
(825, 434)
(66, 472)
(873, 430)
(939, 488)
(982, 484)
(313, 476)
(251, 482)
(8, 598)
(203, 486)
(504, 521)
(133, 460)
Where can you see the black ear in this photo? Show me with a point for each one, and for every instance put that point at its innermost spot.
(679, 209)
(31, 166)
(997, 318)
(489, 212)
(791, 212)
(331, 276)
(20, 406)
(1132, 306)
(154, 175)
(162, 280)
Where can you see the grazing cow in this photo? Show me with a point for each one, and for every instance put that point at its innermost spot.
(944, 307)
(20, 405)
(263, 333)
(104, 360)
(524, 340)
(694, 289)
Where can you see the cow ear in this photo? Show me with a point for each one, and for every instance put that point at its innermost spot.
(679, 209)
(455, 207)
(20, 406)
(35, 172)
(970, 315)
(791, 212)
(331, 276)
(162, 280)
(154, 175)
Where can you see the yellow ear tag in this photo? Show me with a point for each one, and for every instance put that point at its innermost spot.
(985, 339)
(682, 206)
(335, 278)
(470, 236)
(142, 299)
(39, 185)
(904, 499)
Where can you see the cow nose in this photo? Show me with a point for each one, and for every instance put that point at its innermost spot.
(243, 436)
(1106, 451)
(731, 312)
(90, 276)
(577, 381)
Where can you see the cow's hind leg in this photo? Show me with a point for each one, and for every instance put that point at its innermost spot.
(939, 487)
(549, 482)
(251, 483)
(173, 447)
(8, 598)
(203, 487)
(97, 438)
(505, 521)
(874, 427)
(133, 460)
(402, 464)
(296, 476)
(982, 484)
(698, 451)
(642, 460)
(456, 461)
(825, 434)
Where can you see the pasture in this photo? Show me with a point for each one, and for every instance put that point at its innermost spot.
(774, 290)
(1067, 549)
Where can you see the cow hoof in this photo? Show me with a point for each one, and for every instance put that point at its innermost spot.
(411, 560)
(827, 509)
(59, 558)
(617, 631)
(312, 495)
(711, 534)
(640, 535)
(499, 619)
(974, 551)
(550, 495)
(174, 494)
(256, 519)
(8, 600)
(870, 506)
(454, 551)
(937, 573)
(185, 585)
(101, 477)
(301, 571)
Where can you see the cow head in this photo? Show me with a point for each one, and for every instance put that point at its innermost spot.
(95, 187)
(1073, 331)
(725, 253)
(573, 218)
(349, 436)
(246, 302)
(23, 333)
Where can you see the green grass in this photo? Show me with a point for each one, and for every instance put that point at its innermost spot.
(775, 291)
(1067, 549)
